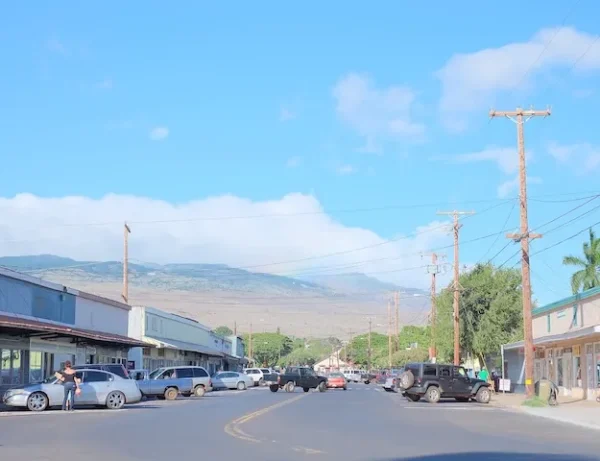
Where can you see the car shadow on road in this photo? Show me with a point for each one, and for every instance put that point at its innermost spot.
(494, 456)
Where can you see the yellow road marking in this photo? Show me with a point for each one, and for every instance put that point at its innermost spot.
(233, 428)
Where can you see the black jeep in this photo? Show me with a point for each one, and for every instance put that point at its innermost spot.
(437, 381)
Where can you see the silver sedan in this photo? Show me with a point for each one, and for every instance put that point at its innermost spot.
(97, 388)
(232, 380)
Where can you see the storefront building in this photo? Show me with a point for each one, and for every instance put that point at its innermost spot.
(44, 324)
(567, 346)
(178, 340)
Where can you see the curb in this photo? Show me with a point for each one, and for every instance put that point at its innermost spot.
(561, 420)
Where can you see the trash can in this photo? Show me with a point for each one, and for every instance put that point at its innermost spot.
(543, 388)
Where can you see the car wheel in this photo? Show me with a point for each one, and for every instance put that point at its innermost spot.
(115, 400)
(483, 395)
(290, 387)
(322, 386)
(413, 398)
(199, 391)
(306, 389)
(433, 394)
(241, 386)
(38, 401)
(171, 393)
(274, 388)
(407, 379)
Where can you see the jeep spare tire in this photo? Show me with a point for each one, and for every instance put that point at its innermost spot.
(407, 379)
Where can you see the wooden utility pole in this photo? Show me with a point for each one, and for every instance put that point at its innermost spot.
(433, 269)
(250, 351)
(396, 321)
(456, 227)
(126, 232)
(369, 349)
(235, 328)
(389, 333)
(519, 117)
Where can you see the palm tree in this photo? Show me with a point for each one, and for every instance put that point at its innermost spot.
(588, 275)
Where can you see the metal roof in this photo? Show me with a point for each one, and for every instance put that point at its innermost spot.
(568, 301)
(28, 326)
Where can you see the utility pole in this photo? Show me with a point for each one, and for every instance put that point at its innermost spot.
(126, 232)
(389, 333)
(235, 328)
(456, 227)
(250, 344)
(396, 320)
(369, 348)
(519, 117)
(433, 269)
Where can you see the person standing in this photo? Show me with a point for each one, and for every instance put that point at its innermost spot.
(70, 384)
(484, 375)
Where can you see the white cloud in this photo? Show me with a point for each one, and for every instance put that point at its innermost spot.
(506, 158)
(346, 170)
(159, 133)
(286, 114)
(376, 113)
(508, 188)
(294, 162)
(583, 157)
(470, 81)
(35, 225)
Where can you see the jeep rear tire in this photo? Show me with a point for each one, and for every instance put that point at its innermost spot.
(322, 386)
(432, 394)
(290, 387)
(274, 387)
(407, 379)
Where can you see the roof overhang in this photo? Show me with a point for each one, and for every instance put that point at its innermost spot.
(28, 327)
(181, 345)
(547, 341)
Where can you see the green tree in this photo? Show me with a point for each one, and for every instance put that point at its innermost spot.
(490, 312)
(301, 356)
(588, 275)
(223, 331)
(268, 348)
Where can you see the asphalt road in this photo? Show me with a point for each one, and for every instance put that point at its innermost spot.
(362, 423)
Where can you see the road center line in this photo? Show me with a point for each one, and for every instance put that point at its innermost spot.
(233, 428)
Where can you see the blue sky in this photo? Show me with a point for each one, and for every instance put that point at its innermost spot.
(360, 107)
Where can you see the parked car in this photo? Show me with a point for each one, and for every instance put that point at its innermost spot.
(303, 377)
(437, 381)
(256, 374)
(337, 380)
(391, 383)
(163, 386)
(231, 380)
(366, 378)
(199, 376)
(116, 368)
(98, 387)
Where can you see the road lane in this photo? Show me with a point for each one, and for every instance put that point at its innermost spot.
(364, 424)
(359, 424)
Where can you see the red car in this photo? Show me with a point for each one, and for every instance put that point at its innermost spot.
(336, 380)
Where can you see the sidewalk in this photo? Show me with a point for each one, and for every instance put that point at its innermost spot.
(583, 413)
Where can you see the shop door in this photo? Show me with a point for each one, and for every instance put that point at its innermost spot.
(568, 371)
(590, 372)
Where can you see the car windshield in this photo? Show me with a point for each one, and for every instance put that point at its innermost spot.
(155, 373)
(336, 375)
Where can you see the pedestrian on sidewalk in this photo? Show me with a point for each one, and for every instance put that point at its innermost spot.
(70, 384)
(484, 375)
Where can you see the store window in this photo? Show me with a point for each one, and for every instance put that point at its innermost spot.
(11, 367)
(36, 369)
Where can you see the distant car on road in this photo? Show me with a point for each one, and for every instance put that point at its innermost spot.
(232, 380)
(256, 374)
(337, 380)
(97, 388)
(304, 377)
